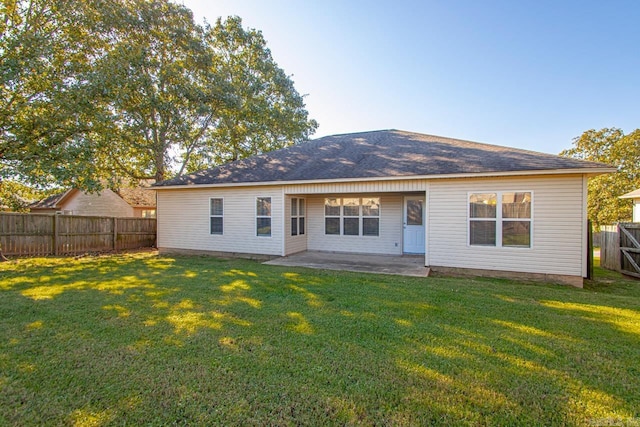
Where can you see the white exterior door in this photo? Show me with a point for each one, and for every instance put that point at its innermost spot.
(413, 224)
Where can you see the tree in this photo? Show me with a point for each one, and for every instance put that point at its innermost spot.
(44, 51)
(182, 97)
(158, 87)
(102, 90)
(265, 112)
(610, 146)
(16, 196)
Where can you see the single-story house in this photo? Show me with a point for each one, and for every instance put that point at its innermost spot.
(124, 202)
(468, 207)
(635, 196)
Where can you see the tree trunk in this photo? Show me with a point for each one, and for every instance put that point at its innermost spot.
(2, 257)
(159, 167)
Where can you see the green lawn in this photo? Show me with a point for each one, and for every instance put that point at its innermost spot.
(141, 339)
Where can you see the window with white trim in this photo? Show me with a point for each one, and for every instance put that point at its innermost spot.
(216, 215)
(371, 216)
(352, 216)
(297, 216)
(501, 219)
(332, 216)
(263, 216)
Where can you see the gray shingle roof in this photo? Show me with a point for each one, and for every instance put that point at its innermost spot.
(50, 202)
(378, 154)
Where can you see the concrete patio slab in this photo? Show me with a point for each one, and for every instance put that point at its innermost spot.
(405, 265)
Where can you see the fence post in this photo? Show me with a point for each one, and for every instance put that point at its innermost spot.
(55, 234)
(115, 234)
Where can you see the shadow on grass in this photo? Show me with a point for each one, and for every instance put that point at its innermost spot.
(144, 339)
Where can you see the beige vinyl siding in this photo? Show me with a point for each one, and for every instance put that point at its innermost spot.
(183, 220)
(105, 203)
(297, 243)
(558, 242)
(390, 239)
(388, 242)
(558, 229)
(357, 187)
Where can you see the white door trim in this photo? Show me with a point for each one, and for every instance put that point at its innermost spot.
(414, 228)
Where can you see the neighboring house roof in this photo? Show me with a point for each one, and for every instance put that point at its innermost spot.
(138, 197)
(381, 154)
(51, 202)
(632, 195)
(135, 197)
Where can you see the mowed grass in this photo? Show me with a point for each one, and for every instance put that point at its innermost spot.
(140, 339)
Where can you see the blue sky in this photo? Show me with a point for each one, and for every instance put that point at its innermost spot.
(527, 74)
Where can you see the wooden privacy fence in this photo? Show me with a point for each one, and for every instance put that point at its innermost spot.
(40, 234)
(620, 248)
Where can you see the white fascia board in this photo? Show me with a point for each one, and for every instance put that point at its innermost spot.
(583, 171)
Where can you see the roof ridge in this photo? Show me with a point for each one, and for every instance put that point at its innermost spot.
(422, 135)
(354, 133)
(487, 144)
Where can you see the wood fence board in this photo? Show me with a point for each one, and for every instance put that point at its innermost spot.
(620, 248)
(41, 234)
(610, 247)
(630, 249)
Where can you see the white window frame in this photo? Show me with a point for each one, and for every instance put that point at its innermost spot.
(499, 220)
(264, 216)
(216, 216)
(341, 217)
(357, 217)
(295, 201)
(363, 216)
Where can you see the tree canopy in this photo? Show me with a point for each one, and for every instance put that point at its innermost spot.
(16, 196)
(44, 51)
(103, 90)
(610, 146)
